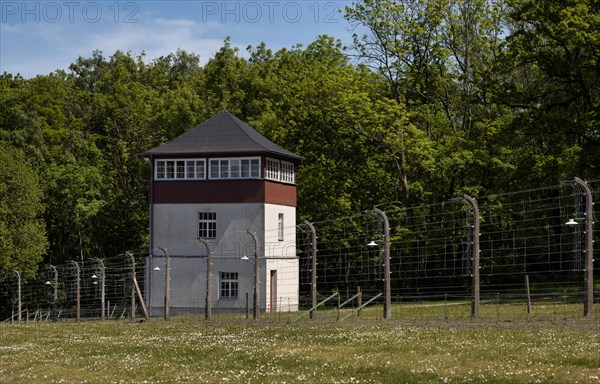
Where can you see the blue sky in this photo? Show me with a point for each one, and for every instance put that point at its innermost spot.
(38, 37)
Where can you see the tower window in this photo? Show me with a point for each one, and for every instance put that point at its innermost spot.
(239, 168)
(179, 170)
(280, 228)
(207, 225)
(229, 285)
(280, 171)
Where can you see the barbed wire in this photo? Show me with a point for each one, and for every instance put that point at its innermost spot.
(522, 233)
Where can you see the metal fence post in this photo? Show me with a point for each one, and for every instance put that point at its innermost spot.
(387, 307)
(475, 257)
(132, 278)
(313, 275)
(256, 309)
(54, 289)
(167, 314)
(18, 295)
(208, 305)
(588, 304)
(78, 294)
(102, 288)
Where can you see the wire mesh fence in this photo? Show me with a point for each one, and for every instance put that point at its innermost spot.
(531, 248)
(87, 289)
(515, 254)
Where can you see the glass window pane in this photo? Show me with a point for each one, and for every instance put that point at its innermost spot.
(160, 169)
(228, 285)
(180, 169)
(200, 169)
(207, 225)
(224, 169)
(234, 169)
(254, 171)
(170, 170)
(190, 169)
(245, 169)
(280, 227)
(214, 169)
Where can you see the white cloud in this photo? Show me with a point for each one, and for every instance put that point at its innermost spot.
(160, 37)
(174, 22)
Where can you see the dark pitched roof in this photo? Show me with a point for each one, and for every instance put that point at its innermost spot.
(221, 134)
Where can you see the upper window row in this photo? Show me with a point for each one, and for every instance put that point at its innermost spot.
(241, 168)
(280, 171)
(234, 168)
(219, 169)
(180, 169)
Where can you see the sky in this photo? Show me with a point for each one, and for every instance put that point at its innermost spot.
(39, 37)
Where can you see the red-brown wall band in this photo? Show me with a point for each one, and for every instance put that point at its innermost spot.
(223, 191)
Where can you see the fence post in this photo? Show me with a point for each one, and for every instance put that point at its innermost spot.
(167, 283)
(102, 288)
(313, 274)
(55, 290)
(588, 304)
(387, 307)
(247, 306)
(78, 294)
(528, 294)
(359, 301)
(135, 289)
(18, 295)
(256, 310)
(132, 278)
(475, 257)
(208, 305)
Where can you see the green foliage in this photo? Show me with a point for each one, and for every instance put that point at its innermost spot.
(446, 98)
(21, 227)
(550, 69)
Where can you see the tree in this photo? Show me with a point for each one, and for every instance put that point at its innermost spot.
(551, 78)
(22, 235)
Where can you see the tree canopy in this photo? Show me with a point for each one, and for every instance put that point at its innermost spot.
(432, 100)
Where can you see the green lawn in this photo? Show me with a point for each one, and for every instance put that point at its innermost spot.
(189, 350)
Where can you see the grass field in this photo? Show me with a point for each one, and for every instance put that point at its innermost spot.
(367, 350)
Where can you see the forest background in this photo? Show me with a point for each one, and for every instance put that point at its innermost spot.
(434, 99)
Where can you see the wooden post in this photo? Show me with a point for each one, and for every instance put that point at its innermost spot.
(135, 289)
(102, 288)
(78, 294)
(141, 298)
(247, 306)
(208, 299)
(387, 307)
(256, 309)
(55, 291)
(313, 264)
(18, 295)
(167, 284)
(475, 257)
(359, 301)
(588, 304)
(132, 278)
(528, 294)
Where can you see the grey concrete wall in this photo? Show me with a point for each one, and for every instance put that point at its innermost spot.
(175, 228)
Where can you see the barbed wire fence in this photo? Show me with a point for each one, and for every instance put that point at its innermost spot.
(83, 289)
(531, 248)
(531, 244)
